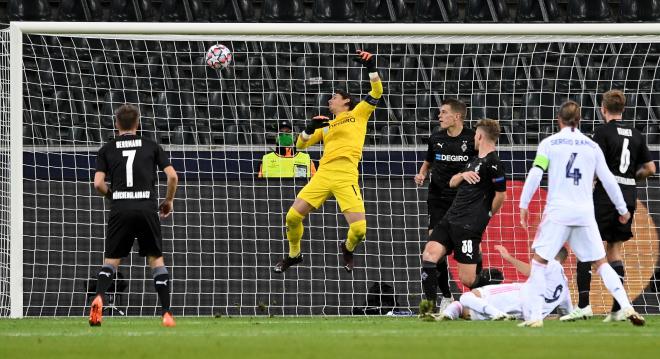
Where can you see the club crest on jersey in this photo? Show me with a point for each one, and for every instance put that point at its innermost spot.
(464, 146)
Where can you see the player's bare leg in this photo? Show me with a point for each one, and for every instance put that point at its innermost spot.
(357, 230)
(104, 282)
(294, 232)
(443, 282)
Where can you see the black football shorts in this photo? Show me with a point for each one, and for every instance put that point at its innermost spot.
(125, 226)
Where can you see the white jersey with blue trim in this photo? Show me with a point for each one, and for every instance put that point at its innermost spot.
(572, 160)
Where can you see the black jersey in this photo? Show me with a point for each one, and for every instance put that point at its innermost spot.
(130, 163)
(448, 156)
(625, 151)
(472, 205)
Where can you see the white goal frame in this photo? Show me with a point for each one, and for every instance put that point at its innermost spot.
(376, 32)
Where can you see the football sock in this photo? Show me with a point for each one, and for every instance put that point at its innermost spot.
(430, 280)
(620, 270)
(443, 277)
(162, 284)
(583, 283)
(454, 310)
(535, 289)
(294, 231)
(356, 232)
(614, 285)
(479, 305)
(105, 278)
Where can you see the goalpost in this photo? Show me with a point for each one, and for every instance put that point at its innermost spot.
(62, 81)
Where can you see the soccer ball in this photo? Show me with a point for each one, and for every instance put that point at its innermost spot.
(218, 56)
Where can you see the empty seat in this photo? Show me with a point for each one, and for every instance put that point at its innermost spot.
(436, 11)
(231, 11)
(75, 10)
(129, 10)
(177, 11)
(538, 11)
(335, 11)
(588, 11)
(306, 74)
(390, 135)
(384, 11)
(570, 73)
(639, 10)
(282, 11)
(481, 11)
(29, 10)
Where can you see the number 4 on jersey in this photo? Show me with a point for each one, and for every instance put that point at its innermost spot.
(575, 173)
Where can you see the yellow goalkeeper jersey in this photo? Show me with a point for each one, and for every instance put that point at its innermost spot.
(344, 137)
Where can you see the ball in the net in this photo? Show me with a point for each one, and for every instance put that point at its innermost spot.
(218, 56)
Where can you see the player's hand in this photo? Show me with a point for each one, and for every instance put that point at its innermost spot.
(524, 215)
(367, 59)
(503, 251)
(165, 208)
(470, 177)
(419, 179)
(315, 123)
(624, 218)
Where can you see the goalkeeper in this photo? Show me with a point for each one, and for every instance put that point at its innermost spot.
(343, 138)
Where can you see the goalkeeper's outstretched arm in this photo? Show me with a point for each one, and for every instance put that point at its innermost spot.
(368, 60)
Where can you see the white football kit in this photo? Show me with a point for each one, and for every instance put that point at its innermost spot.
(571, 159)
(509, 298)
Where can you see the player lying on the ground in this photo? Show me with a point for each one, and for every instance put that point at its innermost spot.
(504, 301)
(343, 138)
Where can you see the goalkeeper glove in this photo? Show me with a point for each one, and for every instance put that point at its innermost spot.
(367, 59)
(315, 123)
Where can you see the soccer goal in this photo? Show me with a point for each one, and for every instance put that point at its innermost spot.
(62, 81)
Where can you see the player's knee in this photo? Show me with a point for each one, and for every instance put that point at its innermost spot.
(465, 297)
(293, 218)
(359, 229)
(431, 253)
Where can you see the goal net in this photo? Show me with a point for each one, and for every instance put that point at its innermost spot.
(227, 229)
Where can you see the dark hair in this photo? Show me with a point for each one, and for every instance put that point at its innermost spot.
(345, 95)
(562, 254)
(127, 116)
(614, 101)
(456, 106)
(490, 127)
(569, 113)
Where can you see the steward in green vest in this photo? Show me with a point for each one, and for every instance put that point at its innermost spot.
(285, 161)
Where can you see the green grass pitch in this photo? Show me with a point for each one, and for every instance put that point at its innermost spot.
(323, 337)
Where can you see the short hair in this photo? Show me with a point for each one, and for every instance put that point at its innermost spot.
(562, 254)
(127, 116)
(614, 101)
(569, 113)
(345, 95)
(456, 106)
(490, 127)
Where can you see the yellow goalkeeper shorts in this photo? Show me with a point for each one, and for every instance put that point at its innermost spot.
(334, 179)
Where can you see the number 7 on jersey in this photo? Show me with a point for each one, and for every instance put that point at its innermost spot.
(129, 166)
